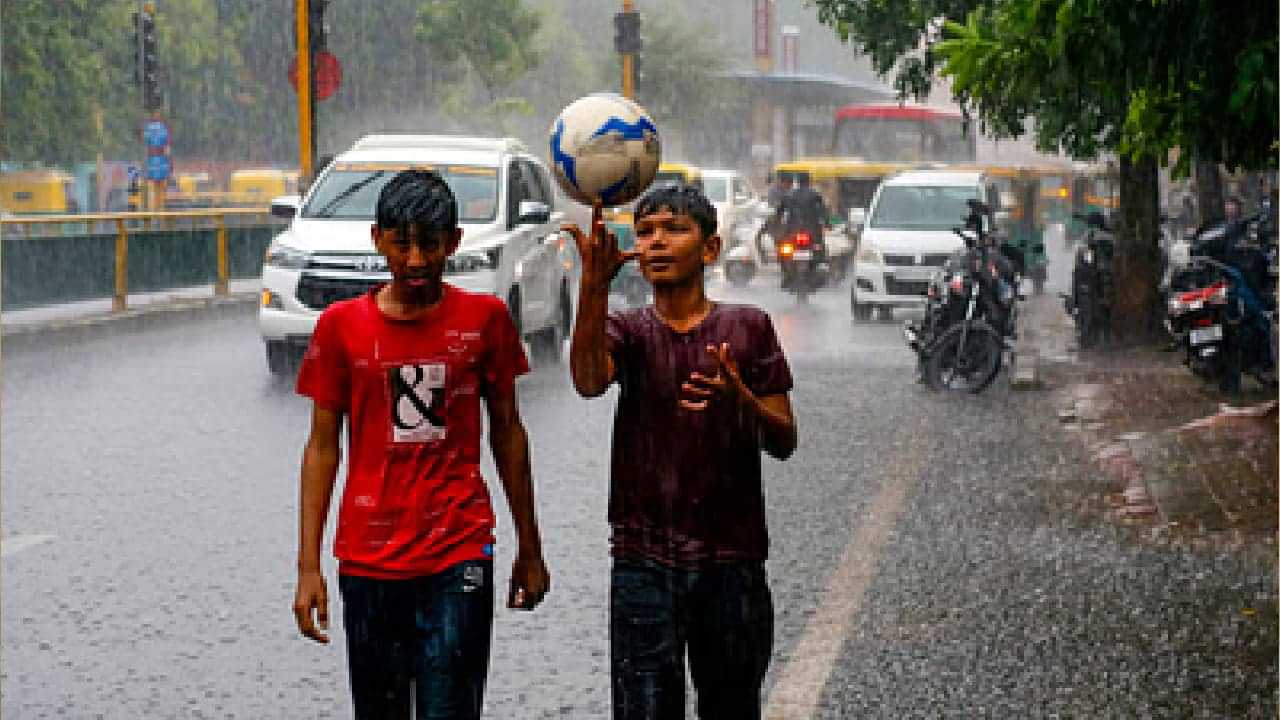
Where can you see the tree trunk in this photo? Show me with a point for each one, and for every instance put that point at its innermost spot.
(1208, 192)
(1136, 308)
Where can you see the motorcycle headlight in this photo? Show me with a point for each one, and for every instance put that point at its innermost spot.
(469, 261)
(870, 254)
(286, 256)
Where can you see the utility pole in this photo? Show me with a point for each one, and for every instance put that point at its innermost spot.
(306, 120)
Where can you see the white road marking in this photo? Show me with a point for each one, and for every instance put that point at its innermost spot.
(17, 543)
(799, 687)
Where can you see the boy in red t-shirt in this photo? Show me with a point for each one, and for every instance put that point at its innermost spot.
(407, 364)
(703, 388)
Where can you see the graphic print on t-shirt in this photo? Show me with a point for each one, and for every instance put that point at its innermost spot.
(417, 402)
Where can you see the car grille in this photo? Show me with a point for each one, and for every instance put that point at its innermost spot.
(893, 286)
(931, 260)
(319, 293)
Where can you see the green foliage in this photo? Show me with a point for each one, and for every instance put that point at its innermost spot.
(494, 38)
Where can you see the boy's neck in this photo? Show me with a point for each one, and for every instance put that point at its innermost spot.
(682, 306)
(405, 303)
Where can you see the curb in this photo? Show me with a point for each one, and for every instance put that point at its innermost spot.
(160, 314)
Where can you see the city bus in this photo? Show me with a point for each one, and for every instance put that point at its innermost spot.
(893, 133)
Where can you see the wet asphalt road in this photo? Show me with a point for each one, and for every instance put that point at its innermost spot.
(149, 511)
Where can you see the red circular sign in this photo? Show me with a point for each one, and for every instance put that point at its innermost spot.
(328, 74)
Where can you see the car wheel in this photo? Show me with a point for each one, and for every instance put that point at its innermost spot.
(280, 360)
(861, 311)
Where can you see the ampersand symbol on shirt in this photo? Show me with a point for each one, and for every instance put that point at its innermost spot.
(426, 400)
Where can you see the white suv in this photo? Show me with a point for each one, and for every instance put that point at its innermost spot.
(511, 247)
(908, 237)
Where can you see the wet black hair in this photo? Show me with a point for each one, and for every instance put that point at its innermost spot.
(680, 200)
(802, 179)
(418, 198)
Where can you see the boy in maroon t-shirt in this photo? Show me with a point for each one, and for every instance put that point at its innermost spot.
(407, 364)
(703, 388)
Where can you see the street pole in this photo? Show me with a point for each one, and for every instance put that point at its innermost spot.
(306, 123)
(628, 61)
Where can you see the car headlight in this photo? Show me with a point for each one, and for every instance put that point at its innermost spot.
(288, 257)
(469, 261)
(869, 254)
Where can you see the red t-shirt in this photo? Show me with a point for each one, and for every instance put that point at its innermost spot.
(414, 502)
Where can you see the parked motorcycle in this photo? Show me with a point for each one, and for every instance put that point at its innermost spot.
(1221, 304)
(970, 312)
(1090, 300)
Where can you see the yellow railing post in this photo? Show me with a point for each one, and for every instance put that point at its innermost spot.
(224, 268)
(120, 299)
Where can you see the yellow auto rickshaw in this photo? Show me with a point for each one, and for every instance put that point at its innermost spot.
(37, 192)
(192, 190)
(257, 186)
(674, 173)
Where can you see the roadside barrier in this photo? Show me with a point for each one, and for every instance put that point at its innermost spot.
(48, 259)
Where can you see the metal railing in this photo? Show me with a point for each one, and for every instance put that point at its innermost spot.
(122, 221)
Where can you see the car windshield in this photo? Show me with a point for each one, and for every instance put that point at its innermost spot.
(922, 207)
(716, 188)
(350, 191)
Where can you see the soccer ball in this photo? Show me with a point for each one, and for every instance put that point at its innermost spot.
(604, 146)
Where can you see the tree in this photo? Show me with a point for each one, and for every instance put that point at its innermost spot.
(1135, 78)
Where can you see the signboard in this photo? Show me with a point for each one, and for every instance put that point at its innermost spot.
(761, 23)
(156, 134)
(158, 167)
(328, 73)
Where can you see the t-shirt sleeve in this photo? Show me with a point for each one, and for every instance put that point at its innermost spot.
(505, 358)
(617, 335)
(767, 372)
(325, 375)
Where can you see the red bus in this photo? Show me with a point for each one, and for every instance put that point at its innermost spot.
(894, 133)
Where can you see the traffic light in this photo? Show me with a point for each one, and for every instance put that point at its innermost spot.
(315, 27)
(146, 71)
(626, 38)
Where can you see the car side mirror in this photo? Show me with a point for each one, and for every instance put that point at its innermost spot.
(532, 212)
(857, 216)
(285, 206)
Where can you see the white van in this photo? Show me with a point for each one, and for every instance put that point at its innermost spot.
(511, 247)
(908, 236)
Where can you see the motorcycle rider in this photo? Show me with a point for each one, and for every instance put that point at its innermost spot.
(803, 209)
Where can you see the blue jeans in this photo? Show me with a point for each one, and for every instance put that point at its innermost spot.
(432, 630)
(721, 615)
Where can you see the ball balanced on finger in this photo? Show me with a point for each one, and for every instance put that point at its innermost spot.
(604, 147)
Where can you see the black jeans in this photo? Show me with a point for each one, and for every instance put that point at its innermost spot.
(722, 615)
(433, 630)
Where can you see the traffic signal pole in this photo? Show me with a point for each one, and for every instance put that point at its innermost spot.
(306, 121)
(628, 60)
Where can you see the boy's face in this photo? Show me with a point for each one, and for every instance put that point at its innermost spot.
(416, 258)
(672, 249)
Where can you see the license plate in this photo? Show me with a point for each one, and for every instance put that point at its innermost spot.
(803, 255)
(1203, 335)
(913, 273)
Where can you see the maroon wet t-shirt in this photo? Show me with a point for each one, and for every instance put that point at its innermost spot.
(685, 485)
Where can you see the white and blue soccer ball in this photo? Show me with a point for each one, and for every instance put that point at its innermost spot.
(604, 146)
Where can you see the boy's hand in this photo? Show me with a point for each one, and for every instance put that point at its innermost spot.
(312, 595)
(599, 253)
(726, 385)
(530, 581)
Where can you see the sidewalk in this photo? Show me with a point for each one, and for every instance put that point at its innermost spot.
(1183, 462)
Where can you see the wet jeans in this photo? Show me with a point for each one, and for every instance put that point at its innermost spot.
(432, 630)
(722, 615)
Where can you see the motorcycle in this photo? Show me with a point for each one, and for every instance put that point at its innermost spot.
(970, 313)
(803, 263)
(1221, 305)
(1089, 302)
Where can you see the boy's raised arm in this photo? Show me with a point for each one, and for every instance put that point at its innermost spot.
(590, 363)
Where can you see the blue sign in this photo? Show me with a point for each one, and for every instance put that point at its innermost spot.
(156, 134)
(158, 167)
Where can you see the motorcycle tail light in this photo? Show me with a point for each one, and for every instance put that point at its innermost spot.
(956, 284)
(787, 249)
(1202, 322)
(803, 239)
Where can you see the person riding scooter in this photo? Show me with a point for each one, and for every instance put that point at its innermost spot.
(803, 212)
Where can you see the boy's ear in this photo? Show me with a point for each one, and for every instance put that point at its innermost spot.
(711, 249)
